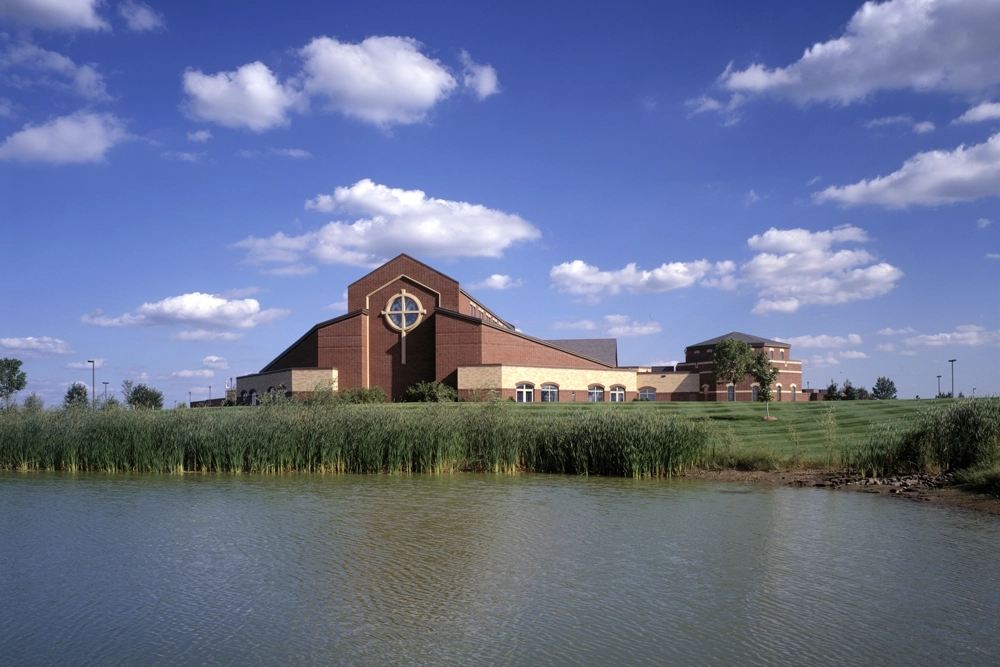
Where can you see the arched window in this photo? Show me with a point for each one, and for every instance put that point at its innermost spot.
(525, 393)
(793, 392)
(243, 397)
(253, 397)
(782, 352)
(618, 394)
(772, 355)
(272, 391)
(647, 394)
(756, 392)
(779, 392)
(550, 393)
(595, 394)
(730, 393)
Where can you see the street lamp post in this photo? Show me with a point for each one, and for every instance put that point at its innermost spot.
(189, 399)
(93, 382)
(952, 362)
(939, 385)
(106, 391)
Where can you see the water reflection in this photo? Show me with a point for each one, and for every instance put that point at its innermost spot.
(479, 569)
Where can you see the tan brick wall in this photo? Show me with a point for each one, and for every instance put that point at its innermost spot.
(668, 383)
(506, 377)
(299, 381)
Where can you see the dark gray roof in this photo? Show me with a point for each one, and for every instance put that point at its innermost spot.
(602, 349)
(746, 338)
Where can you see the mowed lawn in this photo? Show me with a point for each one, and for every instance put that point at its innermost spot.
(740, 425)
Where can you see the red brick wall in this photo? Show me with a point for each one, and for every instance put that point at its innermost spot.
(402, 265)
(302, 355)
(505, 347)
(385, 354)
(341, 346)
(459, 343)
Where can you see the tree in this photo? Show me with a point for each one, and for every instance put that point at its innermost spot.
(832, 391)
(33, 403)
(884, 389)
(764, 373)
(141, 397)
(850, 393)
(430, 392)
(12, 379)
(731, 361)
(76, 396)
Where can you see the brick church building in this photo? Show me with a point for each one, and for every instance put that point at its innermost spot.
(407, 323)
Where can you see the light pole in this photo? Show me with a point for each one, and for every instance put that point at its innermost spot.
(93, 383)
(210, 393)
(939, 385)
(952, 362)
(106, 391)
(189, 399)
(973, 392)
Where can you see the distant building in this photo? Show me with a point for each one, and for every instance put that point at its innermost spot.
(407, 323)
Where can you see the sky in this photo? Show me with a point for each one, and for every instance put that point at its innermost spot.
(185, 189)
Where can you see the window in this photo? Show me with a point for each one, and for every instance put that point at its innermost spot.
(779, 392)
(595, 394)
(772, 355)
(618, 394)
(730, 393)
(253, 397)
(550, 393)
(782, 352)
(793, 392)
(647, 394)
(525, 393)
(243, 398)
(472, 309)
(403, 312)
(756, 392)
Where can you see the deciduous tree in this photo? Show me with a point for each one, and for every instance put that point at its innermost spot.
(12, 379)
(76, 396)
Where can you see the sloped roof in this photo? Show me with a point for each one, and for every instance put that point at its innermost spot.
(746, 338)
(602, 349)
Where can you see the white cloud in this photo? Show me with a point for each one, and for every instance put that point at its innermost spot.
(291, 270)
(852, 354)
(908, 353)
(979, 113)
(496, 281)
(889, 331)
(822, 340)
(35, 347)
(56, 14)
(203, 373)
(382, 80)
(481, 79)
(578, 277)
(797, 267)
(929, 179)
(922, 127)
(82, 80)
(887, 347)
(199, 335)
(98, 363)
(249, 98)
(80, 137)
(968, 335)
(823, 360)
(992, 255)
(622, 325)
(751, 198)
(339, 305)
(183, 156)
(196, 308)
(199, 136)
(585, 325)
(924, 45)
(291, 152)
(394, 221)
(729, 111)
(140, 17)
(212, 361)
(983, 223)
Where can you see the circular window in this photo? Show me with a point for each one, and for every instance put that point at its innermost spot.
(403, 312)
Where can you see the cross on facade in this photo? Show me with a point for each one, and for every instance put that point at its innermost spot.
(403, 313)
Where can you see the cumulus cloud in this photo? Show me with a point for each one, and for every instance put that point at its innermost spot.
(393, 221)
(140, 17)
(796, 267)
(249, 98)
(969, 335)
(199, 136)
(98, 363)
(196, 308)
(213, 361)
(80, 137)
(886, 347)
(924, 45)
(928, 179)
(200, 335)
(622, 325)
(497, 281)
(823, 360)
(822, 340)
(979, 113)
(382, 80)
(32, 347)
(480, 79)
(82, 80)
(578, 277)
(889, 331)
(585, 325)
(56, 14)
(983, 223)
(852, 354)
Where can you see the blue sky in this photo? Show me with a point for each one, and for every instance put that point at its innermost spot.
(185, 190)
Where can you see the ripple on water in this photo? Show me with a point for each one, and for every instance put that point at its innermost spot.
(478, 569)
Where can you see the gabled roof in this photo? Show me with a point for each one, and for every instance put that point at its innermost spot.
(746, 338)
(604, 350)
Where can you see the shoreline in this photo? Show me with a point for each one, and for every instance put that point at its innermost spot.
(932, 489)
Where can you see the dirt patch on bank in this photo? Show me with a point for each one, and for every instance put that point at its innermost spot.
(932, 489)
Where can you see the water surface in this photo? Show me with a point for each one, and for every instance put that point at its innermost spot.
(479, 569)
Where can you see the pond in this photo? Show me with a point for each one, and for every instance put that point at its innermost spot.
(479, 569)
